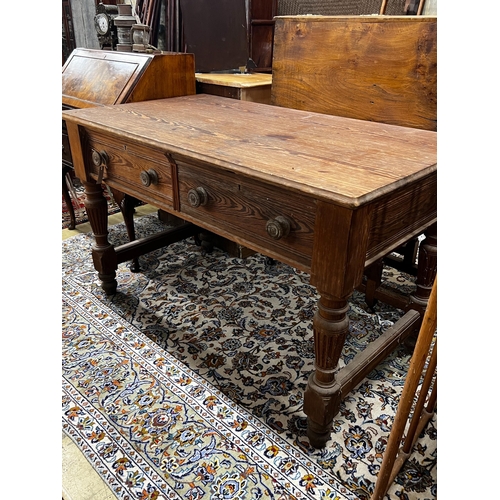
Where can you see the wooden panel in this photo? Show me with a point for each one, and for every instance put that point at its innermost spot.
(402, 215)
(262, 45)
(263, 9)
(167, 75)
(377, 68)
(98, 77)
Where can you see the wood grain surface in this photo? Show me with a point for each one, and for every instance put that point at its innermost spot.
(239, 80)
(378, 68)
(339, 159)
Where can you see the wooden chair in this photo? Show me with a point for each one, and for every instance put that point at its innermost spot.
(66, 169)
(395, 455)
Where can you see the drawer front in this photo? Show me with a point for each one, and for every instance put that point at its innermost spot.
(255, 213)
(133, 169)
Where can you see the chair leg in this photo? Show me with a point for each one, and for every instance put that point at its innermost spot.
(67, 200)
(390, 465)
(127, 206)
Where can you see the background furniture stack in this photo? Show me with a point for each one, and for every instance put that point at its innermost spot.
(99, 77)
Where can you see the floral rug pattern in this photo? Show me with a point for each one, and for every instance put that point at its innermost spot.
(188, 383)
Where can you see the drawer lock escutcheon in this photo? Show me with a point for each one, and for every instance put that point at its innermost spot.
(149, 177)
(278, 227)
(197, 197)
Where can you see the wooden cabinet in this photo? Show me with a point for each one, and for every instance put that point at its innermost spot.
(101, 77)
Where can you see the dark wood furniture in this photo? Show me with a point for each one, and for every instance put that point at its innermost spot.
(328, 195)
(68, 35)
(101, 77)
(227, 35)
(216, 32)
(261, 33)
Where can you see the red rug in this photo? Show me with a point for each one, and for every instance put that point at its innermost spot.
(79, 205)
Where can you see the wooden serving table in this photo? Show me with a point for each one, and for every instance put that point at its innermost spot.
(328, 195)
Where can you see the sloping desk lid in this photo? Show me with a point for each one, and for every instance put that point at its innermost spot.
(100, 77)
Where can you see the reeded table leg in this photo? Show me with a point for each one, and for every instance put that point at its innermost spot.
(322, 397)
(103, 253)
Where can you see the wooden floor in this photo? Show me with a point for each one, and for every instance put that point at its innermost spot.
(79, 479)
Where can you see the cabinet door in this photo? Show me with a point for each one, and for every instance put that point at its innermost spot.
(216, 32)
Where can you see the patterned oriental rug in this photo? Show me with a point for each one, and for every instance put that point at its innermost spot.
(188, 383)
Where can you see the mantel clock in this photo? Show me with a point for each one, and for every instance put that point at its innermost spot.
(104, 25)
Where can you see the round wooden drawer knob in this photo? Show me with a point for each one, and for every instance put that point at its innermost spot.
(278, 228)
(99, 158)
(197, 197)
(149, 177)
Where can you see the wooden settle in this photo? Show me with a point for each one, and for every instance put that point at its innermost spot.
(376, 68)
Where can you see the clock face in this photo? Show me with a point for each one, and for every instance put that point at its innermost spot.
(102, 24)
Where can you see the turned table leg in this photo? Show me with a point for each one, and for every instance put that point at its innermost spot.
(322, 396)
(103, 252)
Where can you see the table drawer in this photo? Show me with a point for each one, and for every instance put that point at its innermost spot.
(263, 218)
(134, 169)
